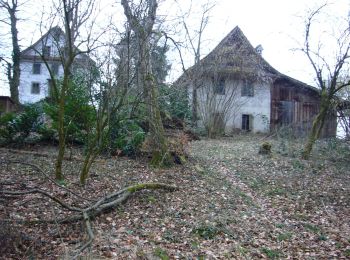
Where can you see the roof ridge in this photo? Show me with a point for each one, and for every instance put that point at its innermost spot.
(43, 37)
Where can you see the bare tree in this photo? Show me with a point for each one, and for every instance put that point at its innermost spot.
(112, 89)
(328, 72)
(73, 14)
(13, 67)
(141, 18)
(194, 39)
(219, 101)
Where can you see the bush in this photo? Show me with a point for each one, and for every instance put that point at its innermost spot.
(174, 102)
(6, 131)
(127, 137)
(79, 115)
(16, 128)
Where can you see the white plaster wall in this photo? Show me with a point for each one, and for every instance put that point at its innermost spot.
(258, 106)
(27, 78)
(48, 41)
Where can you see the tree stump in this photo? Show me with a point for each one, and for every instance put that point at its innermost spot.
(265, 148)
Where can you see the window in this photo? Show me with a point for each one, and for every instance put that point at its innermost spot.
(247, 89)
(55, 69)
(219, 87)
(36, 68)
(35, 88)
(47, 51)
(247, 121)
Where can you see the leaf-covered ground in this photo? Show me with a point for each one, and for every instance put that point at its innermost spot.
(232, 204)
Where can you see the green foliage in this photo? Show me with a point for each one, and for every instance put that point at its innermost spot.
(161, 253)
(174, 101)
(79, 114)
(272, 254)
(6, 130)
(284, 236)
(127, 136)
(207, 231)
(160, 65)
(16, 128)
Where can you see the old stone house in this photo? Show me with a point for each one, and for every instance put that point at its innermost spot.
(235, 88)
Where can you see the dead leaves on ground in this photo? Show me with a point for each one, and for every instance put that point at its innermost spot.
(233, 204)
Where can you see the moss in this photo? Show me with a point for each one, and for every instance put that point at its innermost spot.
(151, 186)
(265, 148)
(160, 159)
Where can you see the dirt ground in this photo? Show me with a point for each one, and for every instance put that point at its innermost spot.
(233, 203)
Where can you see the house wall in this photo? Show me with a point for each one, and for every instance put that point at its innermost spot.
(296, 107)
(27, 78)
(257, 106)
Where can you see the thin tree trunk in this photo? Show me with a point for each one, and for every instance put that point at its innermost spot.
(317, 126)
(14, 72)
(61, 129)
(143, 30)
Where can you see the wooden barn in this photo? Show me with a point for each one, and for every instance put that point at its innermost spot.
(235, 84)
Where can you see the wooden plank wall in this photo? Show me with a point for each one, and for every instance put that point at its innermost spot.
(305, 105)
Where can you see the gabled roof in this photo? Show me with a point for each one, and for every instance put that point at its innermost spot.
(235, 57)
(54, 31)
(235, 54)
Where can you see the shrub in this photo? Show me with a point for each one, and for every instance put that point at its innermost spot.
(127, 136)
(16, 128)
(174, 102)
(79, 114)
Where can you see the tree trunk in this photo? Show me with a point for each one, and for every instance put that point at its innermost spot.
(160, 153)
(89, 158)
(316, 129)
(15, 72)
(61, 128)
(143, 31)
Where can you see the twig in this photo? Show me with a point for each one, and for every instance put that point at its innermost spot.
(89, 232)
(45, 175)
(106, 203)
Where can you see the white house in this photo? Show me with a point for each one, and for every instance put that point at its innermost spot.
(35, 77)
(233, 87)
(38, 60)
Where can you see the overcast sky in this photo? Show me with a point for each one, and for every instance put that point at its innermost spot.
(278, 25)
(275, 24)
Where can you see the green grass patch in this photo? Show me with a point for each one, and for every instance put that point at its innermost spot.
(312, 228)
(284, 236)
(276, 192)
(206, 231)
(161, 253)
(271, 253)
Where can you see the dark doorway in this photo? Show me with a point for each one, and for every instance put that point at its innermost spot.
(246, 122)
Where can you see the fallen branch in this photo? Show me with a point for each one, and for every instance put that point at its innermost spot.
(104, 204)
(45, 175)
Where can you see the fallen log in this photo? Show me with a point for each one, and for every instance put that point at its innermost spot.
(102, 205)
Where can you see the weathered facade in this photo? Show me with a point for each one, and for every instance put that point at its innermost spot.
(263, 100)
(48, 51)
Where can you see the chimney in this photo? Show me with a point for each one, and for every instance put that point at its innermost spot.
(259, 49)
